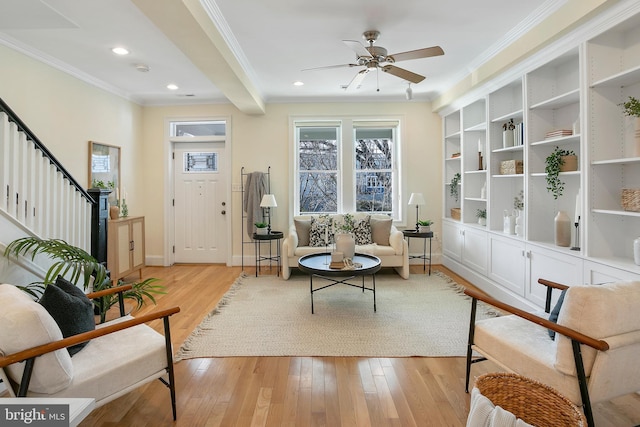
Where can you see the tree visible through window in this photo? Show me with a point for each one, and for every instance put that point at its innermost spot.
(318, 169)
(374, 175)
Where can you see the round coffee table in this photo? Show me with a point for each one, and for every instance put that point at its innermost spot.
(318, 265)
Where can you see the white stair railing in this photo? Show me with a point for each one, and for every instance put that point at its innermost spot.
(37, 193)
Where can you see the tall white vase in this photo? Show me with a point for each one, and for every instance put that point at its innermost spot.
(636, 251)
(346, 243)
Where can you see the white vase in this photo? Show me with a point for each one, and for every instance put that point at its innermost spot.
(637, 138)
(507, 138)
(562, 228)
(261, 231)
(636, 251)
(509, 223)
(520, 223)
(424, 228)
(346, 243)
(482, 221)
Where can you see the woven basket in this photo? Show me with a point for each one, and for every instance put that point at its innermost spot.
(631, 199)
(529, 400)
(455, 213)
(511, 167)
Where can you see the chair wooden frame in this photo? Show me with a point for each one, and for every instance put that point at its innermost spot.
(577, 338)
(30, 355)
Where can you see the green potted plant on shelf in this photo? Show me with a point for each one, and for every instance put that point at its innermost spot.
(481, 214)
(424, 226)
(453, 186)
(261, 227)
(79, 268)
(631, 108)
(560, 160)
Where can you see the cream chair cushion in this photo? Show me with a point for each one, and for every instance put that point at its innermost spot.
(23, 324)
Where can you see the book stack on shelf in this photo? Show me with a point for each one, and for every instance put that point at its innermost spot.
(558, 133)
(518, 134)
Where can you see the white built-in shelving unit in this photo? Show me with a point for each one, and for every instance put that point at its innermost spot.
(579, 88)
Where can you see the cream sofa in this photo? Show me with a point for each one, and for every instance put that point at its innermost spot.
(387, 243)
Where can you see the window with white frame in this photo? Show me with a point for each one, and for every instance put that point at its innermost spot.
(346, 166)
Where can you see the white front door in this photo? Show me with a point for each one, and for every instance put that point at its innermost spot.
(200, 203)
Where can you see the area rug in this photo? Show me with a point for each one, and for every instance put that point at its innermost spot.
(268, 316)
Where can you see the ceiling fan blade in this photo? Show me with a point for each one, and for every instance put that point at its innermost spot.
(403, 74)
(357, 47)
(357, 80)
(331, 66)
(417, 54)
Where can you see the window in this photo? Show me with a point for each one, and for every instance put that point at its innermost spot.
(347, 166)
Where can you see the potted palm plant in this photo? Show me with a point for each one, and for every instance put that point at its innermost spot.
(481, 214)
(424, 226)
(261, 227)
(631, 108)
(80, 268)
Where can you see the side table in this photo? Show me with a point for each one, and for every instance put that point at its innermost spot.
(408, 234)
(258, 239)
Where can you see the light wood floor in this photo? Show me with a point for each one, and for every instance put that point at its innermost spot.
(301, 391)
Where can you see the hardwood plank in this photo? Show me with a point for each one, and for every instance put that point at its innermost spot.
(307, 391)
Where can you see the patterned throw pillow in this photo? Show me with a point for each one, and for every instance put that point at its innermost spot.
(321, 232)
(362, 231)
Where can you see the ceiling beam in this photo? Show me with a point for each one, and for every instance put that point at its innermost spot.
(188, 25)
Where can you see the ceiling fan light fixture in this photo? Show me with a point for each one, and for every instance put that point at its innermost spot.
(409, 93)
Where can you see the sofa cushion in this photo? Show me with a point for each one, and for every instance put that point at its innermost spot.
(70, 308)
(362, 230)
(321, 233)
(303, 226)
(24, 324)
(380, 230)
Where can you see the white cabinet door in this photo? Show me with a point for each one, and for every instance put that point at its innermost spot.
(452, 240)
(507, 263)
(550, 265)
(474, 249)
(596, 273)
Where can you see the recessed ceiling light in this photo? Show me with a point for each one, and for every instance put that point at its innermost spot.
(120, 51)
(143, 68)
(298, 83)
(172, 87)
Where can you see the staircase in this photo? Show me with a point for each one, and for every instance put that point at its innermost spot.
(38, 195)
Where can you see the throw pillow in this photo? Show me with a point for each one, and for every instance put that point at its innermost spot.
(380, 230)
(553, 316)
(321, 233)
(362, 231)
(70, 308)
(303, 226)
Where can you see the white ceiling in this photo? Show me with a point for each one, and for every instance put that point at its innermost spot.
(267, 44)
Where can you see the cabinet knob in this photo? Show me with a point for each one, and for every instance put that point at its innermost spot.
(223, 212)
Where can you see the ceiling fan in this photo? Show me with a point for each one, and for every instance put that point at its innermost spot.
(376, 57)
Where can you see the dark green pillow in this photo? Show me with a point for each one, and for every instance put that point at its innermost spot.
(553, 316)
(70, 308)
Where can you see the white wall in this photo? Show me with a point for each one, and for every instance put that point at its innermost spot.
(257, 142)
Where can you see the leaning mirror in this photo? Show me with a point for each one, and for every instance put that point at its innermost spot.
(104, 168)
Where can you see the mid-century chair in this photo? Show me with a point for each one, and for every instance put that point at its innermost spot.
(121, 355)
(594, 356)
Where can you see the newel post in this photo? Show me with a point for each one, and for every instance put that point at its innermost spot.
(99, 221)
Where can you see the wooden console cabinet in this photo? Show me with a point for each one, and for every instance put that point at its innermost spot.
(125, 247)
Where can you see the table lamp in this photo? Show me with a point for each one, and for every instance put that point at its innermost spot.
(417, 199)
(268, 201)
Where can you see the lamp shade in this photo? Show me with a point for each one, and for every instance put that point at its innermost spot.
(417, 199)
(268, 201)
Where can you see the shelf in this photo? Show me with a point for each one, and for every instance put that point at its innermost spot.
(571, 97)
(482, 171)
(618, 212)
(503, 150)
(622, 161)
(450, 159)
(515, 175)
(455, 135)
(475, 199)
(624, 78)
(623, 263)
(478, 127)
(559, 140)
(561, 173)
(517, 113)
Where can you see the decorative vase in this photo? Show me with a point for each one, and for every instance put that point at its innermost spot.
(262, 230)
(507, 138)
(482, 221)
(346, 243)
(562, 228)
(509, 223)
(424, 228)
(636, 251)
(114, 212)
